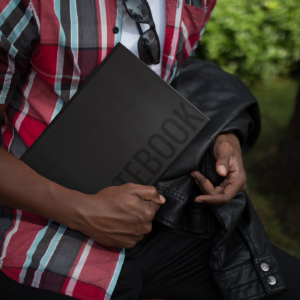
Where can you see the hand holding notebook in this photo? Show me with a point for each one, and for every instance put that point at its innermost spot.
(118, 223)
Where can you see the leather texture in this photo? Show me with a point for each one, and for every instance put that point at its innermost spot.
(240, 243)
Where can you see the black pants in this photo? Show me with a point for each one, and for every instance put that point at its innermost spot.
(164, 265)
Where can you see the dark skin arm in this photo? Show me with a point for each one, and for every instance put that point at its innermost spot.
(116, 216)
(229, 164)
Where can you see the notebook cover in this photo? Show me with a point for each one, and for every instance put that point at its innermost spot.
(124, 124)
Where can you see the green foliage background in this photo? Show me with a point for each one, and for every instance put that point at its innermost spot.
(256, 40)
(259, 41)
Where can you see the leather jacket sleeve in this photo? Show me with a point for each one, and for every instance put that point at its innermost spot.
(239, 242)
(229, 105)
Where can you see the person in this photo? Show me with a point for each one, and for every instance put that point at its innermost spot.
(48, 49)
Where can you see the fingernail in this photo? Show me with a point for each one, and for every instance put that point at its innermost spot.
(162, 198)
(192, 174)
(223, 169)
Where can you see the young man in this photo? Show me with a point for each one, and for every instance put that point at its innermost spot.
(48, 49)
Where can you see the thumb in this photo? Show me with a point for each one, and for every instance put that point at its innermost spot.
(223, 159)
(222, 166)
(150, 193)
(223, 152)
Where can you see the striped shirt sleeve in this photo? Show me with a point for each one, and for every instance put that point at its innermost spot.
(18, 36)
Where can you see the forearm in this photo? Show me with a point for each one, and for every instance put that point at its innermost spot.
(23, 188)
(115, 216)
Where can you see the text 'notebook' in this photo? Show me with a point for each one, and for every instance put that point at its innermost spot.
(124, 124)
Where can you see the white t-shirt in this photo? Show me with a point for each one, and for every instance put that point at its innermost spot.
(130, 33)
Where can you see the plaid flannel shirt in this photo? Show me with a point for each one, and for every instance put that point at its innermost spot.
(48, 48)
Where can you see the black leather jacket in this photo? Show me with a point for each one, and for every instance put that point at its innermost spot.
(240, 244)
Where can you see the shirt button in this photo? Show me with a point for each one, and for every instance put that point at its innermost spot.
(115, 30)
(120, 249)
(265, 267)
(271, 280)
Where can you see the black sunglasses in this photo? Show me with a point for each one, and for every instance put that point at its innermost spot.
(148, 44)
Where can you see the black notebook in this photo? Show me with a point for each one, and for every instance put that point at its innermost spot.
(124, 124)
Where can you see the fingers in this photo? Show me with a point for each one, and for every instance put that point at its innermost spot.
(226, 148)
(204, 184)
(124, 241)
(223, 153)
(222, 194)
(217, 199)
(229, 164)
(147, 193)
(126, 214)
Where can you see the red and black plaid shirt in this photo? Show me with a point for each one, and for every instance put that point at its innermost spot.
(48, 48)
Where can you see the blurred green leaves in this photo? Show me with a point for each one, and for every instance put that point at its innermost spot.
(256, 40)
